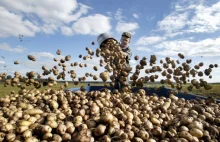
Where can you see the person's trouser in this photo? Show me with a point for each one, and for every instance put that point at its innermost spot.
(118, 84)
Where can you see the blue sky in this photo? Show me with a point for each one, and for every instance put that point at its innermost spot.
(164, 28)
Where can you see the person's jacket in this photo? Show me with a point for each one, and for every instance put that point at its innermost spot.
(129, 53)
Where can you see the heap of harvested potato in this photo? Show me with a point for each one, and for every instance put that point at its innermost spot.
(104, 115)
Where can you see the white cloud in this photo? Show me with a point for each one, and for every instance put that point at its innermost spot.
(6, 47)
(48, 11)
(149, 40)
(135, 15)
(186, 5)
(173, 34)
(118, 15)
(207, 19)
(206, 47)
(12, 24)
(173, 22)
(30, 17)
(167, 53)
(66, 30)
(83, 10)
(92, 25)
(126, 26)
(2, 62)
(94, 61)
(30, 65)
(27, 66)
(49, 28)
(43, 54)
(122, 25)
(191, 17)
(133, 62)
(143, 49)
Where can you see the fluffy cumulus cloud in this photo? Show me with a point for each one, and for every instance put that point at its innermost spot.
(191, 17)
(7, 47)
(2, 62)
(48, 11)
(173, 22)
(66, 16)
(12, 24)
(206, 47)
(124, 26)
(49, 28)
(207, 19)
(92, 25)
(149, 40)
(143, 49)
(66, 30)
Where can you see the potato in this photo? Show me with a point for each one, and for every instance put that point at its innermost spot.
(27, 134)
(100, 130)
(136, 57)
(10, 137)
(196, 132)
(25, 123)
(95, 68)
(181, 55)
(104, 76)
(58, 52)
(186, 135)
(82, 136)
(196, 124)
(31, 57)
(33, 111)
(16, 62)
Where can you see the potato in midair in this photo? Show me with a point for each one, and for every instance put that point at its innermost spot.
(104, 76)
(58, 52)
(16, 62)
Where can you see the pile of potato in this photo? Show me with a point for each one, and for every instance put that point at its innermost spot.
(105, 115)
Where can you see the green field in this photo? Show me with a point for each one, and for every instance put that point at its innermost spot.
(215, 91)
(6, 90)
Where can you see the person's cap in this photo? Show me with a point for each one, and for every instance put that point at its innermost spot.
(126, 34)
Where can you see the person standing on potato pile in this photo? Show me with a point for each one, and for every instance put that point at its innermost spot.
(126, 50)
